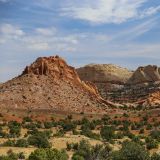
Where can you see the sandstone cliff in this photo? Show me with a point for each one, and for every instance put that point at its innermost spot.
(119, 85)
(104, 73)
(150, 73)
(49, 83)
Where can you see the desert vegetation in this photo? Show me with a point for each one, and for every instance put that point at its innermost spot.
(111, 137)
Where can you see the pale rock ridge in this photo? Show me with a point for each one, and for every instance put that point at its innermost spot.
(104, 73)
(150, 73)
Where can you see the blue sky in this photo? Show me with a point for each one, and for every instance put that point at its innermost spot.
(123, 32)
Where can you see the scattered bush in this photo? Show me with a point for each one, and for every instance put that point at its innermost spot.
(48, 154)
(107, 133)
(39, 140)
(131, 151)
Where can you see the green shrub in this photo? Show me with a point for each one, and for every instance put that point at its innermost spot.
(48, 154)
(39, 140)
(21, 143)
(77, 157)
(48, 125)
(10, 143)
(107, 133)
(88, 133)
(151, 143)
(131, 151)
(86, 152)
(14, 129)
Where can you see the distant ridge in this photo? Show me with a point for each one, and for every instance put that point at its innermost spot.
(117, 84)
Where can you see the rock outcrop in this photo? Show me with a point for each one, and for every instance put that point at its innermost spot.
(107, 77)
(49, 83)
(119, 85)
(104, 73)
(147, 74)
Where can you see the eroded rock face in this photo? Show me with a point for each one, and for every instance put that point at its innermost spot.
(54, 66)
(49, 83)
(104, 73)
(119, 85)
(145, 74)
(107, 77)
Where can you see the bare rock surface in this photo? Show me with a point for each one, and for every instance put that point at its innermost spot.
(150, 73)
(120, 85)
(49, 83)
(104, 73)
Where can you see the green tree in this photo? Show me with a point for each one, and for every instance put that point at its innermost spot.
(107, 133)
(14, 128)
(39, 140)
(131, 151)
(99, 152)
(38, 154)
(48, 154)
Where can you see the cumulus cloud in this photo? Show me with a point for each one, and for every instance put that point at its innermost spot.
(106, 11)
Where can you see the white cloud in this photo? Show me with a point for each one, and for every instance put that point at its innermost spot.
(39, 46)
(136, 31)
(11, 30)
(106, 11)
(40, 39)
(150, 11)
(8, 31)
(46, 31)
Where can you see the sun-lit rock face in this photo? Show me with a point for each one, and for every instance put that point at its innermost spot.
(50, 83)
(107, 77)
(54, 66)
(104, 73)
(120, 85)
(150, 73)
(57, 68)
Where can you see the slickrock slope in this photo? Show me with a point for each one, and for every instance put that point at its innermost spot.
(150, 73)
(104, 73)
(142, 88)
(119, 85)
(107, 77)
(49, 83)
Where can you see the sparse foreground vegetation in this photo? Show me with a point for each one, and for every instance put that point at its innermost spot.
(106, 138)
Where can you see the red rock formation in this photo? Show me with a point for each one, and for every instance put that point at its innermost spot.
(49, 83)
(122, 86)
(57, 68)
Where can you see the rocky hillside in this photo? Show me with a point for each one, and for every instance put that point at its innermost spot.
(119, 85)
(142, 88)
(107, 77)
(49, 83)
